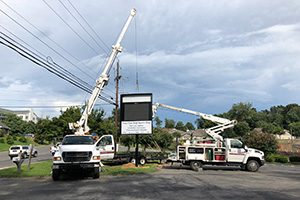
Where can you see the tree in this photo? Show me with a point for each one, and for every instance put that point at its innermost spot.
(15, 123)
(127, 140)
(180, 126)
(158, 122)
(204, 123)
(241, 128)
(243, 112)
(169, 123)
(295, 129)
(268, 128)
(189, 126)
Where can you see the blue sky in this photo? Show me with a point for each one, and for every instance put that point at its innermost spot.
(199, 55)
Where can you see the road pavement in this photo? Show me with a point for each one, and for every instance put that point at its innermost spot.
(43, 155)
(270, 182)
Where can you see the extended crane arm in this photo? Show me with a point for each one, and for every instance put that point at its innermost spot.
(81, 127)
(213, 131)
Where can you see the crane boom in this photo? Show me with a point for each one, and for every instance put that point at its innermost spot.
(81, 127)
(213, 131)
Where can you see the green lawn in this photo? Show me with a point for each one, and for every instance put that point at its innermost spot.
(43, 169)
(5, 147)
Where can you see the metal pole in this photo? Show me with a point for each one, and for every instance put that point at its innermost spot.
(137, 150)
(117, 105)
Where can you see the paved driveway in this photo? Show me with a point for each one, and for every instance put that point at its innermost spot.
(270, 182)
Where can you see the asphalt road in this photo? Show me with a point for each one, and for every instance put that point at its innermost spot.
(270, 182)
(43, 155)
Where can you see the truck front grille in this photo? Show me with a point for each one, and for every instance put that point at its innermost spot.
(77, 156)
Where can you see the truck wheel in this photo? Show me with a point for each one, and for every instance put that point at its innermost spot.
(252, 165)
(142, 160)
(55, 174)
(35, 154)
(195, 165)
(96, 173)
(132, 160)
(24, 155)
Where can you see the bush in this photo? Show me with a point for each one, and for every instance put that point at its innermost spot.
(15, 138)
(10, 141)
(270, 158)
(262, 141)
(1, 140)
(281, 159)
(295, 159)
(22, 139)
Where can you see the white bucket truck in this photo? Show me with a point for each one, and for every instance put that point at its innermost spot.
(215, 150)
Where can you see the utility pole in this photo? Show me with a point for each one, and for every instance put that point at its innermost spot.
(118, 77)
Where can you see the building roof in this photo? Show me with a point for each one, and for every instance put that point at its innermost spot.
(3, 126)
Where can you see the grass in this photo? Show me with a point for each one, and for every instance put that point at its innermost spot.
(5, 147)
(43, 169)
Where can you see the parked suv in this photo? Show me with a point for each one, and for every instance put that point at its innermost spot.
(25, 150)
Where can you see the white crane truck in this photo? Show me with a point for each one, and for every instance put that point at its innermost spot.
(79, 151)
(215, 150)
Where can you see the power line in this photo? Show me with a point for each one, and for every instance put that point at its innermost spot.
(47, 66)
(82, 26)
(48, 37)
(88, 25)
(73, 30)
(43, 42)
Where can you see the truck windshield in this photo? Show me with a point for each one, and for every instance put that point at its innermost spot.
(73, 140)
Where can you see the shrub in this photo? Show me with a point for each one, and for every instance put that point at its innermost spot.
(9, 137)
(1, 140)
(10, 141)
(281, 159)
(15, 138)
(295, 159)
(22, 139)
(262, 141)
(270, 158)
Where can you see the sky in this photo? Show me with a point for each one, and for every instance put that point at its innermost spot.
(199, 55)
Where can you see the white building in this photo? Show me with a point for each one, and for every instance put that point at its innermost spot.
(26, 115)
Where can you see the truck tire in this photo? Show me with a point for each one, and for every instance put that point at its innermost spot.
(24, 155)
(96, 173)
(252, 165)
(132, 160)
(35, 154)
(55, 174)
(142, 160)
(195, 165)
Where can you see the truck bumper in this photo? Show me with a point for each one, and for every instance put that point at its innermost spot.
(78, 166)
(262, 162)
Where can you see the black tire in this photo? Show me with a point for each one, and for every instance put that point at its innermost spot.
(24, 155)
(195, 165)
(252, 166)
(132, 160)
(96, 173)
(35, 154)
(55, 174)
(11, 157)
(142, 160)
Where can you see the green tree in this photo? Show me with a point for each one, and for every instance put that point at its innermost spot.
(169, 123)
(189, 126)
(268, 128)
(158, 122)
(180, 126)
(243, 112)
(241, 128)
(127, 141)
(16, 124)
(295, 129)
(204, 123)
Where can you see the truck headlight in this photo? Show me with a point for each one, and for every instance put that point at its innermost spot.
(96, 157)
(56, 158)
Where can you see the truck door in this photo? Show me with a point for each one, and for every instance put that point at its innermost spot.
(236, 151)
(106, 145)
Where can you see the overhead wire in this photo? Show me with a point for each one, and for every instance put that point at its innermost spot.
(97, 53)
(83, 27)
(47, 37)
(45, 64)
(43, 42)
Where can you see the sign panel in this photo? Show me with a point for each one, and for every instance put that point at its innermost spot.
(136, 114)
